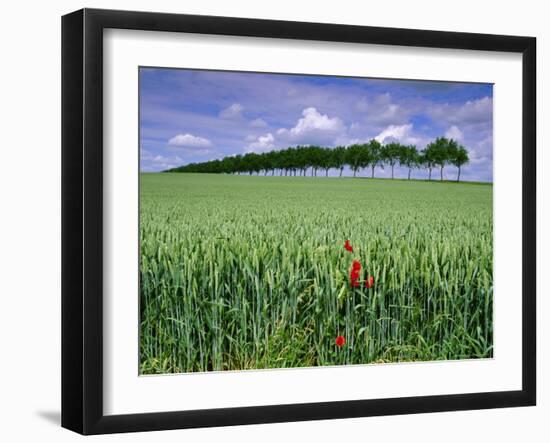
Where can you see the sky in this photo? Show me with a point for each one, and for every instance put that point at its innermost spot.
(189, 116)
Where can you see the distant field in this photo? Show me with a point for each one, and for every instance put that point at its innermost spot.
(247, 272)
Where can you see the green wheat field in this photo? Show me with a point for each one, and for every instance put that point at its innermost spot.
(250, 272)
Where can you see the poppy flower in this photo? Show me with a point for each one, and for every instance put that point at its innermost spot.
(354, 274)
(347, 246)
(369, 282)
(340, 341)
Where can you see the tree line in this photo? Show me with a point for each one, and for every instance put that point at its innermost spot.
(297, 160)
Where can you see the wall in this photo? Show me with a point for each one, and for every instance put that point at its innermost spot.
(30, 218)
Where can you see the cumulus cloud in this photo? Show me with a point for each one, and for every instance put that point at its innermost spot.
(476, 112)
(232, 112)
(397, 133)
(189, 141)
(455, 133)
(313, 128)
(263, 143)
(151, 162)
(481, 151)
(380, 110)
(258, 123)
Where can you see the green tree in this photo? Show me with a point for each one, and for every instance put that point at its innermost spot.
(428, 157)
(390, 154)
(443, 150)
(375, 149)
(460, 158)
(353, 158)
(339, 158)
(365, 157)
(408, 156)
(440, 152)
(327, 161)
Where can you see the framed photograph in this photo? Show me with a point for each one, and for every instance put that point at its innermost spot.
(269, 221)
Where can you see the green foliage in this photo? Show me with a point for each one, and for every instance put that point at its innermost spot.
(444, 151)
(241, 272)
(299, 159)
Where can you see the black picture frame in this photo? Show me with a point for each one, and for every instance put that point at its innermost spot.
(82, 218)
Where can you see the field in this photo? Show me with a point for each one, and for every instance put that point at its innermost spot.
(249, 272)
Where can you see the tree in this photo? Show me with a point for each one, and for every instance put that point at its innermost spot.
(374, 147)
(408, 156)
(353, 158)
(390, 154)
(442, 150)
(316, 155)
(300, 159)
(428, 157)
(460, 158)
(364, 156)
(325, 159)
(339, 158)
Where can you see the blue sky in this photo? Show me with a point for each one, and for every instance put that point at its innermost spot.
(191, 116)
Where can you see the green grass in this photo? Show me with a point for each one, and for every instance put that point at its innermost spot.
(242, 272)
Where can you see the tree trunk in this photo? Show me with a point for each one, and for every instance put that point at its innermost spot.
(430, 176)
(354, 172)
(441, 173)
(372, 171)
(409, 173)
(341, 170)
(392, 172)
(326, 172)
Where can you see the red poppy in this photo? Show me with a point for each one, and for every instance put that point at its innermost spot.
(369, 282)
(348, 246)
(340, 341)
(354, 274)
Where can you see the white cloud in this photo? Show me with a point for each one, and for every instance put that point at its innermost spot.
(151, 162)
(312, 128)
(482, 149)
(473, 112)
(390, 112)
(381, 111)
(189, 141)
(397, 133)
(476, 110)
(232, 112)
(263, 143)
(258, 123)
(455, 133)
